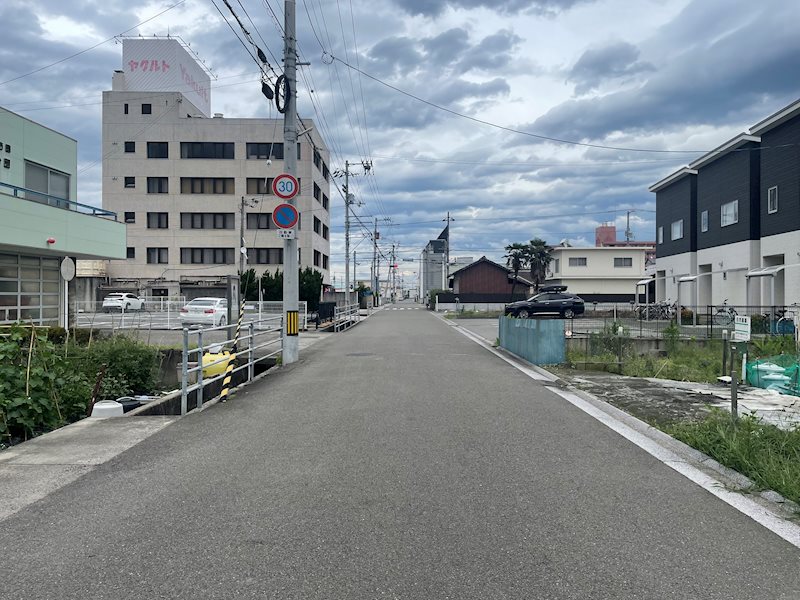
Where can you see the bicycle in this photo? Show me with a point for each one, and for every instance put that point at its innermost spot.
(725, 314)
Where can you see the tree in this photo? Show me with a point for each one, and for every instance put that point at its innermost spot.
(540, 255)
(272, 286)
(249, 285)
(516, 258)
(310, 287)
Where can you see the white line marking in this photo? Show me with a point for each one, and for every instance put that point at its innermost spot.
(785, 529)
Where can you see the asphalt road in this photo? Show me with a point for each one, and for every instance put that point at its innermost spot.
(395, 460)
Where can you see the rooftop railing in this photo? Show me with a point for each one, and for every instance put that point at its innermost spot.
(41, 198)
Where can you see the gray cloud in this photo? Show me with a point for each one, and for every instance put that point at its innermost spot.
(612, 61)
(433, 8)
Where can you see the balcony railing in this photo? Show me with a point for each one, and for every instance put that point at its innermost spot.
(34, 196)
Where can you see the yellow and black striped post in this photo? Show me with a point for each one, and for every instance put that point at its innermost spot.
(292, 322)
(226, 382)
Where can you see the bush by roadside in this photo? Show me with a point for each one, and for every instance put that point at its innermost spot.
(45, 385)
(768, 455)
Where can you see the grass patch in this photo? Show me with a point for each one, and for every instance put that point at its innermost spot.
(474, 314)
(766, 454)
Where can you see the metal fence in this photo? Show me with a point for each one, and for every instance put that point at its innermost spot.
(164, 313)
(345, 316)
(203, 364)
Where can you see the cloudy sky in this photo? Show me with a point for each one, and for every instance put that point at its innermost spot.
(642, 86)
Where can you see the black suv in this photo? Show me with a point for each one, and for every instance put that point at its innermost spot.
(551, 299)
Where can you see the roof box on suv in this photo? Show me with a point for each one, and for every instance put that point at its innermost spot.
(553, 288)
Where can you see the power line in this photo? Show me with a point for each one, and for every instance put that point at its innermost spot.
(71, 56)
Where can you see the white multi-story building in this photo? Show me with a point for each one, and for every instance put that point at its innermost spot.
(601, 274)
(186, 182)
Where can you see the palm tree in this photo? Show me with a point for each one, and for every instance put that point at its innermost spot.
(540, 255)
(516, 258)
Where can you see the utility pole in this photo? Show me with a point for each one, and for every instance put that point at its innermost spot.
(373, 278)
(446, 270)
(628, 232)
(243, 248)
(347, 232)
(394, 276)
(291, 283)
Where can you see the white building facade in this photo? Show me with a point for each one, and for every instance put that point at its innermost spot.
(186, 184)
(599, 274)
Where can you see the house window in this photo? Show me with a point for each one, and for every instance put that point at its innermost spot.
(157, 185)
(677, 230)
(53, 186)
(207, 220)
(206, 149)
(578, 261)
(259, 185)
(157, 256)
(130, 252)
(265, 150)
(130, 146)
(157, 150)
(704, 221)
(157, 220)
(556, 265)
(729, 213)
(147, 109)
(259, 220)
(623, 262)
(130, 182)
(207, 256)
(207, 185)
(661, 235)
(130, 217)
(125, 108)
(772, 200)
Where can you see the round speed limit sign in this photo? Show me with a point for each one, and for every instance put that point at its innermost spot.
(285, 186)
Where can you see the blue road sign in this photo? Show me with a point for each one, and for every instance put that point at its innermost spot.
(285, 216)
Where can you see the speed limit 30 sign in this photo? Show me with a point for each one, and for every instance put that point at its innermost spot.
(285, 186)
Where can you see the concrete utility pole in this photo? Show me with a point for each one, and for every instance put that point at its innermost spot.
(243, 246)
(373, 278)
(291, 283)
(394, 276)
(347, 232)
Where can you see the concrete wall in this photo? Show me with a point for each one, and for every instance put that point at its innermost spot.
(539, 341)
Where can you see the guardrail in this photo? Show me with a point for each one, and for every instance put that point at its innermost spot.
(261, 335)
(345, 317)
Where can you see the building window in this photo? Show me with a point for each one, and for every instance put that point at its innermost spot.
(206, 149)
(556, 265)
(29, 288)
(317, 258)
(298, 151)
(325, 172)
(661, 235)
(772, 200)
(157, 185)
(325, 232)
(259, 185)
(52, 186)
(259, 220)
(317, 226)
(317, 159)
(677, 230)
(623, 262)
(578, 261)
(207, 185)
(207, 256)
(325, 261)
(157, 256)
(265, 150)
(729, 213)
(325, 202)
(157, 150)
(130, 146)
(317, 192)
(207, 220)
(130, 252)
(125, 108)
(130, 217)
(147, 109)
(130, 182)
(704, 221)
(269, 256)
(157, 220)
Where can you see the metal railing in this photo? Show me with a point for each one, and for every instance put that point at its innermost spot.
(259, 341)
(764, 320)
(345, 317)
(34, 196)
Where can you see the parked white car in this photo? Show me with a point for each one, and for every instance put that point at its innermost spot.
(205, 311)
(119, 301)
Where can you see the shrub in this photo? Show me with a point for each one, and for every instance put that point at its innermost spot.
(127, 360)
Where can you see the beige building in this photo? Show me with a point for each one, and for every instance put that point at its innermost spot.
(601, 274)
(182, 181)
